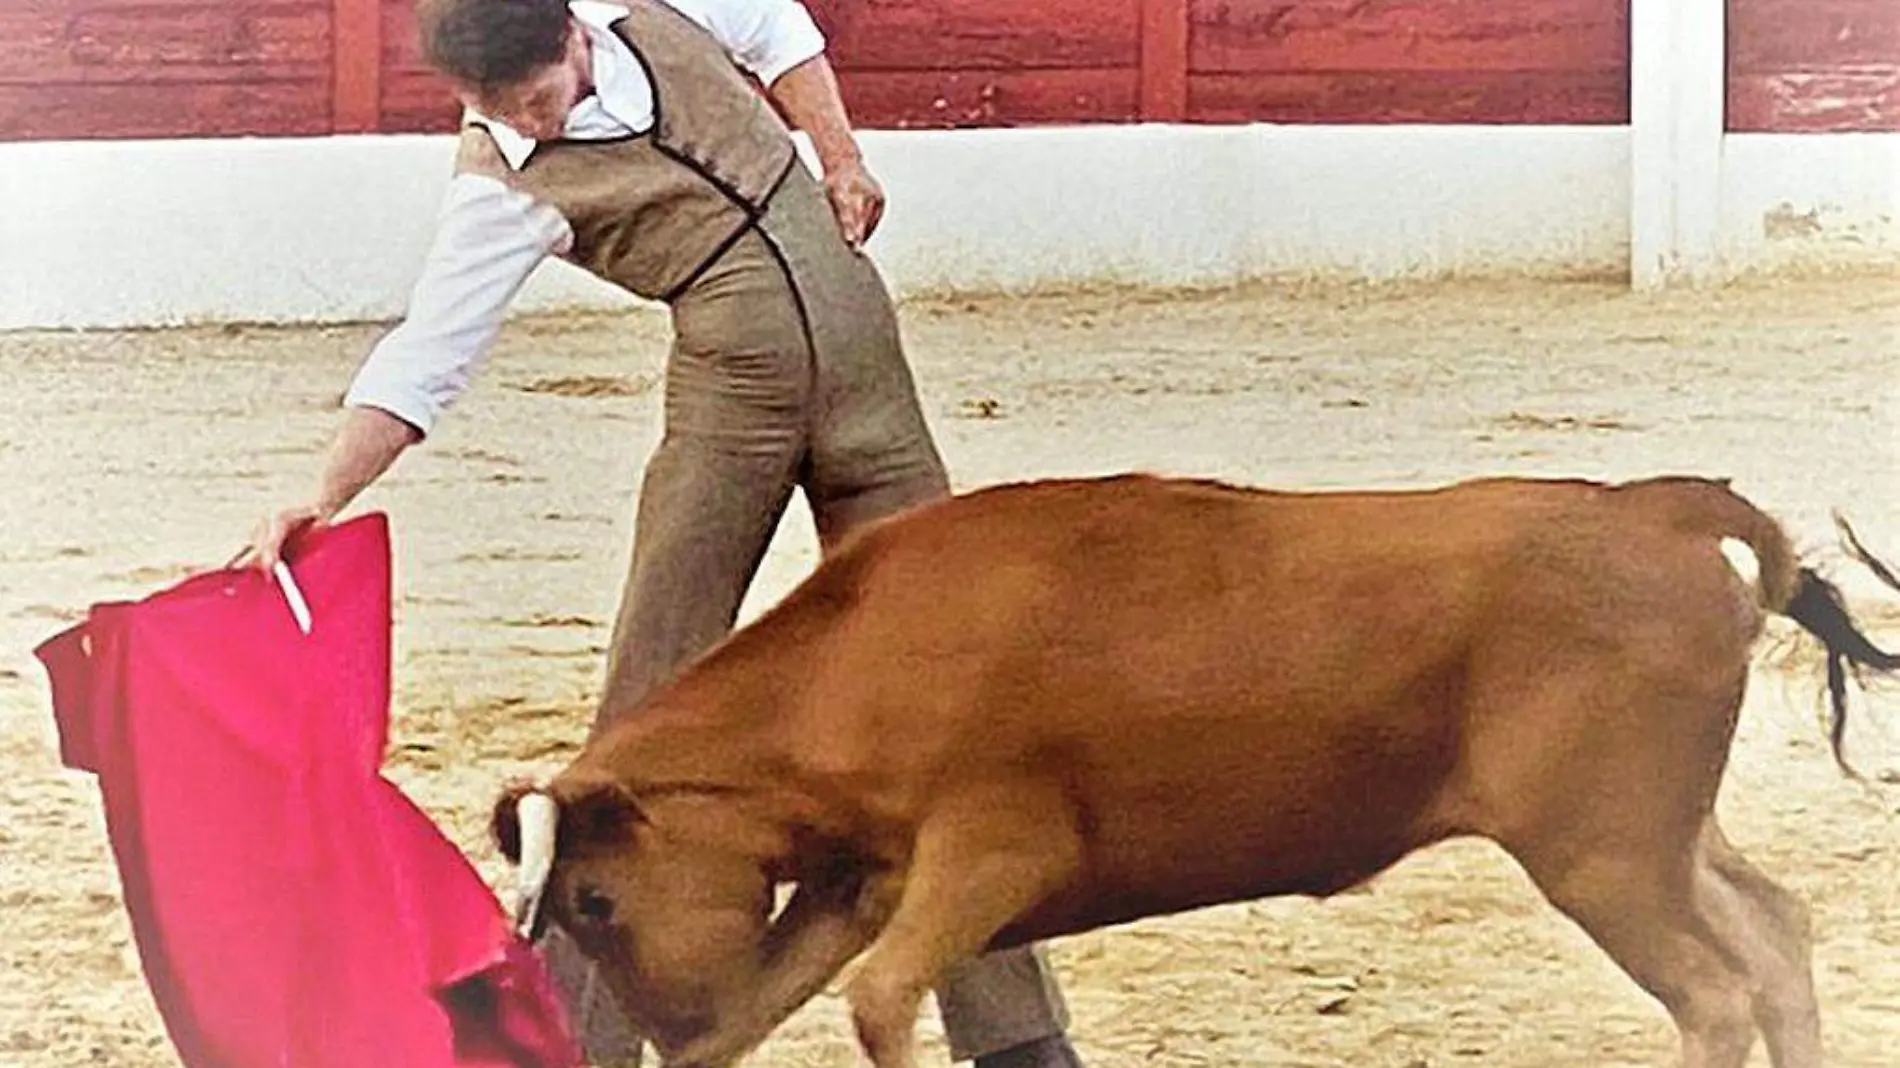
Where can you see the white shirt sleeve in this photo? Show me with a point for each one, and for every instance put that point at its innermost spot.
(488, 240)
(766, 37)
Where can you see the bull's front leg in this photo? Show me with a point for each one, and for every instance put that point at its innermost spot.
(820, 931)
(980, 861)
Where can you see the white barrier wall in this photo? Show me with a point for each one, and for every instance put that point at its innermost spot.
(139, 233)
(118, 233)
(1706, 205)
(1809, 202)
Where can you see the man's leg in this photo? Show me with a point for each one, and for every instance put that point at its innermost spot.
(1005, 1010)
(607, 1038)
(871, 456)
(737, 388)
(704, 521)
(705, 518)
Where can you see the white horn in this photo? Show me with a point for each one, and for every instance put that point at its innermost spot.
(538, 816)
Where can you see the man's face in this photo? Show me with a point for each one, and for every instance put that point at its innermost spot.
(537, 106)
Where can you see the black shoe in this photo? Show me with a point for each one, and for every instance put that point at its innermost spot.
(1052, 1052)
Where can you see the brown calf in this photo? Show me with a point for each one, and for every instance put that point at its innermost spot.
(1043, 708)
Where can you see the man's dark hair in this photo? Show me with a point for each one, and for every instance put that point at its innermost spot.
(492, 43)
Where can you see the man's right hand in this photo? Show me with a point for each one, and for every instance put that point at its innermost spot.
(365, 445)
(273, 531)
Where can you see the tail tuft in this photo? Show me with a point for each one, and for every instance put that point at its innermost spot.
(1819, 607)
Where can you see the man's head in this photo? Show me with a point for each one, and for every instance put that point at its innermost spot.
(522, 62)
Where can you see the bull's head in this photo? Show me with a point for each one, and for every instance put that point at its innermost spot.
(673, 918)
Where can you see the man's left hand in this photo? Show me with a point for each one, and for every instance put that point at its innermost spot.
(856, 199)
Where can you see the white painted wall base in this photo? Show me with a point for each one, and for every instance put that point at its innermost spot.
(1809, 202)
(107, 234)
(136, 233)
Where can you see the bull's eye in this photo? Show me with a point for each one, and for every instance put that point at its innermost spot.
(593, 905)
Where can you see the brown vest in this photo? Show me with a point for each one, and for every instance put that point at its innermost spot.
(651, 211)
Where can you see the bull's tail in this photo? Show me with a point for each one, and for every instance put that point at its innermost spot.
(1760, 552)
(1788, 588)
(1818, 608)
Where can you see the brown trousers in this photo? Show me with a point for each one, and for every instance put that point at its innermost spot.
(787, 370)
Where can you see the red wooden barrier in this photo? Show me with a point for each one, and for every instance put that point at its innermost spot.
(1814, 65)
(1468, 61)
(414, 99)
(356, 85)
(985, 62)
(170, 68)
(1165, 33)
(162, 68)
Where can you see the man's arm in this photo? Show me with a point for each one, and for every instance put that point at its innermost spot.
(809, 95)
(780, 44)
(489, 239)
(364, 446)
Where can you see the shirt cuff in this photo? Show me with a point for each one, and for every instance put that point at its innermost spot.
(404, 401)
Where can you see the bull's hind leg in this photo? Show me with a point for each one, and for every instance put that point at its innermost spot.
(978, 863)
(1640, 905)
(1767, 929)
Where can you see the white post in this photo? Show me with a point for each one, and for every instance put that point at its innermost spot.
(1678, 74)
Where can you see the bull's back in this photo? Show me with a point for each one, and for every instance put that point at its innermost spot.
(1187, 660)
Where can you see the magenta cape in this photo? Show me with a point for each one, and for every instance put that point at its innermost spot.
(292, 908)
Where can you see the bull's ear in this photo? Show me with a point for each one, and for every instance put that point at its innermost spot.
(504, 825)
(595, 811)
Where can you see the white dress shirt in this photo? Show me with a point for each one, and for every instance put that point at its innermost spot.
(490, 237)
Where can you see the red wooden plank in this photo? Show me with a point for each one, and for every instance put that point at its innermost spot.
(356, 79)
(1832, 102)
(942, 99)
(401, 49)
(165, 8)
(1500, 97)
(830, 14)
(417, 102)
(415, 99)
(981, 34)
(1231, 36)
(93, 7)
(1779, 35)
(107, 111)
(1164, 60)
(203, 42)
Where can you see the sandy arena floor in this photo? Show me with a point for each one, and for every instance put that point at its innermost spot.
(130, 459)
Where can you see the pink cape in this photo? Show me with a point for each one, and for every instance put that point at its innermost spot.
(292, 908)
